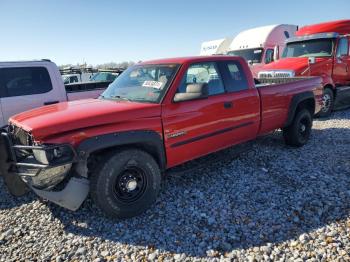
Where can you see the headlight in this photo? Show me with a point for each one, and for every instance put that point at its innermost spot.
(54, 155)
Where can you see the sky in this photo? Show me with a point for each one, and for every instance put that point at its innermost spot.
(96, 32)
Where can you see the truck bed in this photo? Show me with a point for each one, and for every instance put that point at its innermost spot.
(276, 93)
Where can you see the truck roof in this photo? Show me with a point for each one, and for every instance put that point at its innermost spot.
(339, 26)
(190, 59)
(257, 37)
(24, 62)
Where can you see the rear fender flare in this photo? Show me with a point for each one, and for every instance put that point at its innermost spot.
(296, 100)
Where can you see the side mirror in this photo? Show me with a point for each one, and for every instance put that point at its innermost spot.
(193, 91)
(276, 54)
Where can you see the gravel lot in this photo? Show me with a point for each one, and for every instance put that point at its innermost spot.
(270, 203)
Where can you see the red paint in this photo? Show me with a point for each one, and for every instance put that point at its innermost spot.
(340, 26)
(255, 112)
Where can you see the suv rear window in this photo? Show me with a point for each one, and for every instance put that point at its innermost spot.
(24, 81)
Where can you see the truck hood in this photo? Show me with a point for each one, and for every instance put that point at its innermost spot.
(69, 116)
(291, 63)
(300, 65)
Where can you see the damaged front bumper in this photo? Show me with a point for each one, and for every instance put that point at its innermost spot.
(46, 169)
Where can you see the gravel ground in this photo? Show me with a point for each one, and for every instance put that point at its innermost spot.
(270, 203)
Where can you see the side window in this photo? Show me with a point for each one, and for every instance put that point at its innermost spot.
(342, 47)
(237, 80)
(74, 79)
(203, 73)
(25, 81)
(269, 56)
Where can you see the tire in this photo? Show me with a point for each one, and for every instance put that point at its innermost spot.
(126, 183)
(298, 133)
(328, 103)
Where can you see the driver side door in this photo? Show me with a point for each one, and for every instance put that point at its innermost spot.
(197, 127)
(341, 74)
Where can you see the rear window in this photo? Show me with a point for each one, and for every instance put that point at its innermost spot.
(24, 81)
(237, 80)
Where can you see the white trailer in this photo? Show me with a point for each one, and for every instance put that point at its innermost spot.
(216, 47)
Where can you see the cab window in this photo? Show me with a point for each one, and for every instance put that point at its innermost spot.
(24, 81)
(203, 73)
(342, 47)
(235, 78)
(269, 56)
(74, 79)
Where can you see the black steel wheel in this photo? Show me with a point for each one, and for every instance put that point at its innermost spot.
(298, 133)
(126, 183)
(130, 184)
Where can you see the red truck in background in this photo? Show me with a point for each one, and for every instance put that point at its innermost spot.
(154, 116)
(318, 50)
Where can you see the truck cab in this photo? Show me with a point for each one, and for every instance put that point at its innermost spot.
(261, 45)
(318, 50)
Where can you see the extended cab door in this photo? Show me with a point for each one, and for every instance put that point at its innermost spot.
(198, 127)
(25, 88)
(341, 74)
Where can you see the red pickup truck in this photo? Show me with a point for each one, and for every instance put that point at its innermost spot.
(156, 115)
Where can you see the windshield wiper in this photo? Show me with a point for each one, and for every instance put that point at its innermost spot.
(120, 97)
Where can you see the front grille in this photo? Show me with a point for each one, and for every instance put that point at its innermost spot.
(281, 75)
(276, 74)
(20, 137)
(265, 75)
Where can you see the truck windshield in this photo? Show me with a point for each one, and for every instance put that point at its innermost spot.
(142, 83)
(315, 47)
(103, 77)
(252, 55)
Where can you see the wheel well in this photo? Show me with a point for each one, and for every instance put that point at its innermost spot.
(331, 88)
(148, 148)
(309, 104)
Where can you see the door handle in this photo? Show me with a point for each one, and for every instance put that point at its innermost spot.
(228, 105)
(51, 103)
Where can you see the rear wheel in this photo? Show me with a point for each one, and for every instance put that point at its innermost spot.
(298, 133)
(126, 184)
(327, 103)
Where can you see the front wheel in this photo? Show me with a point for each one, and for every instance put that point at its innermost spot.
(327, 103)
(298, 133)
(126, 184)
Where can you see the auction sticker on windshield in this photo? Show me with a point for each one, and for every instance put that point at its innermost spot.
(153, 84)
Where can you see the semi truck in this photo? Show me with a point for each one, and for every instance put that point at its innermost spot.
(259, 46)
(318, 50)
(154, 116)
